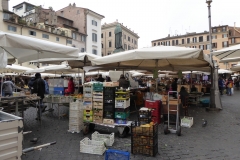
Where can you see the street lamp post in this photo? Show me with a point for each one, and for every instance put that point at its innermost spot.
(215, 101)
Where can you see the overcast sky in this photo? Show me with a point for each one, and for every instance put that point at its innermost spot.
(155, 19)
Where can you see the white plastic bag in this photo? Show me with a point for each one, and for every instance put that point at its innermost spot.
(3, 59)
(232, 90)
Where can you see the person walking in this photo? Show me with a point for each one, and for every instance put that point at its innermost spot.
(8, 87)
(220, 85)
(229, 86)
(71, 88)
(39, 89)
(46, 84)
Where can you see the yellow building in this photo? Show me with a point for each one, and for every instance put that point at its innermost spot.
(222, 36)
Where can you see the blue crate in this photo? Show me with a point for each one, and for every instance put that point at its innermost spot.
(58, 88)
(112, 154)
(58, 92)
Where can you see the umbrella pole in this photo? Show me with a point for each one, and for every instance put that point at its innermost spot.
(78, 80)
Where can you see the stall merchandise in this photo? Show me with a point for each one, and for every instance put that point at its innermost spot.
(144, 139)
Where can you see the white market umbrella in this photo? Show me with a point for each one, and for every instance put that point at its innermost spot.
(221, 71)
(53, 68)
(83, 59)
(228, 54)
(24, 48)
(235, 68)
(15, 68)
(161, 57)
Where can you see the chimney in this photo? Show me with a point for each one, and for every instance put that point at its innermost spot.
(234, 25)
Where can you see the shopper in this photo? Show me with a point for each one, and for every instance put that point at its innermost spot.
(183, 95)
(229, 86)
(108, 79)
(123, 83)
(71, 88)
(39, 89)
(100, 78)
(174, 87)
(8, 87)
(220, 85)
(46, 84)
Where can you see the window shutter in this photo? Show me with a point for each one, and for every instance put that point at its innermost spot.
(222, 44)
(227, 44)
(203, 47)
(96, 37)
(92, 22)
(92, 36)
(96, 23)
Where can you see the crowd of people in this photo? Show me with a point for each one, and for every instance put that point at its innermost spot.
(227, 85)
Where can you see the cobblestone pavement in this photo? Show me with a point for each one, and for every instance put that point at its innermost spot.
(219, 140)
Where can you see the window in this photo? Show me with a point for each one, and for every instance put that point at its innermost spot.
(224, 29)
(125, 36)
(102, 35)
(224, 36)
(188, 40)
(32, 33)
(125, 46)
(69, 41)
(110, 44)
(129, 39)
(6, 16)
(214, 37)
(200, 39)
(19, 9)
(94, 23)
(214, 45)
(164, 43)
(173, 43)
(208, 47)
(12, 28)
(176, 42)
(94, 37)
(102, 45)
(129, 48)
(46, 36)
(135, 42)
(182, 41)
(110, 34)
(207, 38)
(233, 40)
(94, 51)
(168, 43)
(225, 44)
(74, 36)
(201, 47)
(214, 30)
(82, 49)
(158, 43)
(154, 44)
(57, 38)
(194, 39)
(62, 14)
(83, 39)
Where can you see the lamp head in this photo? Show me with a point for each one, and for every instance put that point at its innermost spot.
(208, 2)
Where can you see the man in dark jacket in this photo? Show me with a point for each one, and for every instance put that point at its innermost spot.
(123, 82)
(100, 78)
(39, 89)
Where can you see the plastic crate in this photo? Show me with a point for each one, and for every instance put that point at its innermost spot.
(73, 113)
(97, 119)
(144, 113)
(58, 92)
(109, 90)
(145, 120)
(97, 112)
(112, 154)
(87, 112)
(58, 89)
(107, 114)
(92, 147)
(144, 131)
(98, 86)
(122, 115)
(108, 101)
(95, 103)
(122, 109)
(122, 103)
(74, 128)
(144, 140)
(108, 139)
(108, 121)
(87, 118)
(187, 122)
(75, 106)
(87, 105)
(97, 107)
(109, 97)
(145, 150)
(87, 95)
(121, 121)
(109, 107)
(76, 120)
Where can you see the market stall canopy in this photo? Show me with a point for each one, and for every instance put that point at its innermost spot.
(83, 59)
(49, 69)
(221, 71)
(160, 57)
(14, 68)
(235, 68)
(229, 54)
(26, 49)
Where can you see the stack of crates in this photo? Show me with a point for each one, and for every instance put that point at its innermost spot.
(75, 116)
(87, 102)
(155, 106)
(108, 104)
(98, 103)
(144, 139)
(122, 105)
(144, 115)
